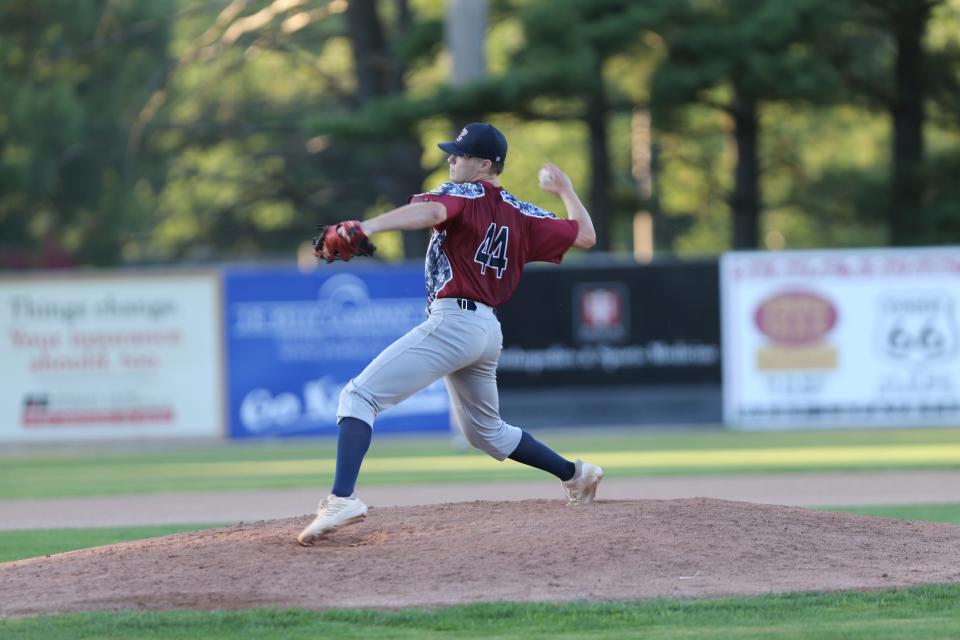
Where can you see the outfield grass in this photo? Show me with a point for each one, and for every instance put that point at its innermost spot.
(926, 612)
(918, 613)
(433, 459)
(31, 543)
(947, 513)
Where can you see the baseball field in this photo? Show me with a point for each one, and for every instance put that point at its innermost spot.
(697, 534)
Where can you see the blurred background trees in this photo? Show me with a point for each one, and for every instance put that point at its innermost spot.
(216, 130)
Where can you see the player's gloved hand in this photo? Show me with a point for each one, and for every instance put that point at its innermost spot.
(342, 241)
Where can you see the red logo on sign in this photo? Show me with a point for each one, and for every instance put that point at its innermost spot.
(795, 317)
(601, 308)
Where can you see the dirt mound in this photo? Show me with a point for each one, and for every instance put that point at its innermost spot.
(480, 551)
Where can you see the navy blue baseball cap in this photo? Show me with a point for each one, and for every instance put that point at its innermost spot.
(478, 140)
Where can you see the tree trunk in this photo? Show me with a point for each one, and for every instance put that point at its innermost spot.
(379, 75)
(370, 60)
(465, 36)
(745, 199)
(465, 33)
(906, 202)
(599, 198)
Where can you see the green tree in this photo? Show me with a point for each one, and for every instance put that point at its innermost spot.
(558, 75)
(736, 55)
(70, 79)
(571, 68)
(891, 67)
(261, 113)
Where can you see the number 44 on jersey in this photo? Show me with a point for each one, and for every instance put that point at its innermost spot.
(492, 252)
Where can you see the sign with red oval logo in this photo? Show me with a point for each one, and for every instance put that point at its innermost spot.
(795, 317)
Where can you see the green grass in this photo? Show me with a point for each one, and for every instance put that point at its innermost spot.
(235, 466)
(924, 612)
(948, 513)
(30, 543)
(917, 613)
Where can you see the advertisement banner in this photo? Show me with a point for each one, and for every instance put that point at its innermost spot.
(841, 338)
(603, 326)
(110, 357)
(294, 340)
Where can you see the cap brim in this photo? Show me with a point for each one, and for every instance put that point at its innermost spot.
(452, 148)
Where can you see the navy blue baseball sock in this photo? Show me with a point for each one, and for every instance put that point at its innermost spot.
(352, 444)
(534, 453)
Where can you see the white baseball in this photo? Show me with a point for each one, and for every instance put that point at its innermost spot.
(545, 176)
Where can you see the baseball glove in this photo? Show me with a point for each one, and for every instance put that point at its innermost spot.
(342, 241)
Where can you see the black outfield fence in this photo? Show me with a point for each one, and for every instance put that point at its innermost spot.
(598, 326)
(613, 345)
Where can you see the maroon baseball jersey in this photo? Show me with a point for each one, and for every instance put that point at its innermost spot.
(480, 250)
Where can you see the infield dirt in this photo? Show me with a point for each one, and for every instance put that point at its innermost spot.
(532, 550)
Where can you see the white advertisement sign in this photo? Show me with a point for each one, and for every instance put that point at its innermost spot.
(841, 338)
(110, 357)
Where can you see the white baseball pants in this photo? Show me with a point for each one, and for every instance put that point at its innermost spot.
(459, 345)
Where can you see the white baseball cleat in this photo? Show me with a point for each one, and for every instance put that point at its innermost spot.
(334, 512)
(582, 487)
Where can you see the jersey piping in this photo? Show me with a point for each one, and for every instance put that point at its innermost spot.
(471, 190)
(526, 208)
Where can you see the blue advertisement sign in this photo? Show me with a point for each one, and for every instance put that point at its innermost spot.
(295, 339)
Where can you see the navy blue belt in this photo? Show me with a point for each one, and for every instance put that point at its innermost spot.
(470, 305)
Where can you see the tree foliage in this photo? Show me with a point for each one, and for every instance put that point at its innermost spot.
(135, 132)
(71, 74)
(736, 56)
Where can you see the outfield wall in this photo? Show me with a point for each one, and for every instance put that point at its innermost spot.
(814, 339)
(110, 356)
(824, 339)
(614, 344)
(295, 339)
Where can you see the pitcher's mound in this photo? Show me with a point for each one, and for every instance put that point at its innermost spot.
(481, 551)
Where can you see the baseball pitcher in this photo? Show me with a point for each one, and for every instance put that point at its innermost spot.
(482, 238)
